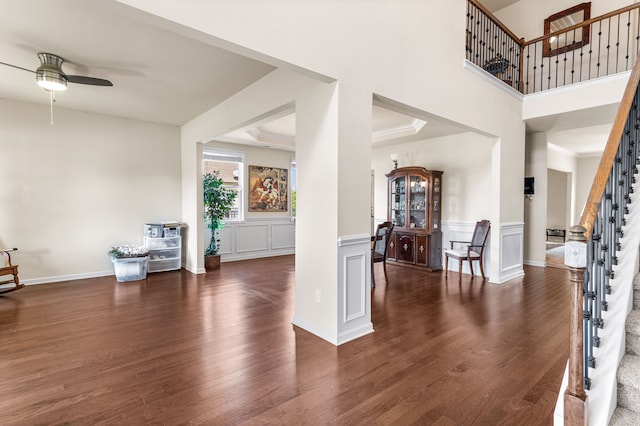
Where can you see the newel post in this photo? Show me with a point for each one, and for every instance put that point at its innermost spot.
(575, 397)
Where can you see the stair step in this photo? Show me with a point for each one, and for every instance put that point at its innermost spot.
(632, 337)
(633, 322)
(633, 344)
(628, 384)
(624, 417)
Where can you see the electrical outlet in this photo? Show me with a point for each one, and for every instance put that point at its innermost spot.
(318, 296)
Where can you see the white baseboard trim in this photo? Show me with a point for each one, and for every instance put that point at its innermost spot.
(321, 333)
(510, 276)
(71, 277)
(332, 338)
(60, 278)
(535, 263)
(195, 270)
(355, 334)
(255, 255)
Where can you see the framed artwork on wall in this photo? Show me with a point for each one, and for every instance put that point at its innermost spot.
(268, 189)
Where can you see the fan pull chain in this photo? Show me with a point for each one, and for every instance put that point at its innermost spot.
(51, 101)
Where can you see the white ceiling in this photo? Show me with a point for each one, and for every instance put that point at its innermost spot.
(494, 5)
(160, 76)
(583, 132)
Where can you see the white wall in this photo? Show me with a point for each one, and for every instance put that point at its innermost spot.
(535, 206)
(259, 234)
(69, 192)
(580, 172)
(390, 53)
(259, 156)
(526, 17)
(557, 200)
(587, 168)
(465, 160)
(273, 92)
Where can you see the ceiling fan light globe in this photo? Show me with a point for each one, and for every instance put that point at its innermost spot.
(51, 80)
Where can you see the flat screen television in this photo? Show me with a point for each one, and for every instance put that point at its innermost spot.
(528, 186)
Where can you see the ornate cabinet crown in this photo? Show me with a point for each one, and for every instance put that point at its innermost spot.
(414, 206)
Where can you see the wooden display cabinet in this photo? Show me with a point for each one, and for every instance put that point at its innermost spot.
(414, 204)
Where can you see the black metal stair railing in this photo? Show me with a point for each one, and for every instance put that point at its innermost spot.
(613, 45)
(593, 246)
(604, 242)
(491, 46)
(556, 59)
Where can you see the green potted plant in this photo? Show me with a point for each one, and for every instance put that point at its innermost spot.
(218, 200)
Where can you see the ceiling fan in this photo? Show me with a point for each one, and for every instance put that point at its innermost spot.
(49, 74)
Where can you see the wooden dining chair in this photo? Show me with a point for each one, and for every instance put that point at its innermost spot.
(379, 245)
(7, 269)
(474, 249)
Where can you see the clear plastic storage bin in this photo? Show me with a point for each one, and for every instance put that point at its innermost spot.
(130, 268)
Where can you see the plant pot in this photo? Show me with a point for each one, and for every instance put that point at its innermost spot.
(211, 262)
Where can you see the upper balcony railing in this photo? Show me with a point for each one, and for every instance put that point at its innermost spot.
(611, 47)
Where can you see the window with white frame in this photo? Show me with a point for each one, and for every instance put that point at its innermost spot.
(230, 165)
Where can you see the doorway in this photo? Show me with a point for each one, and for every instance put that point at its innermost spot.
(558, 216)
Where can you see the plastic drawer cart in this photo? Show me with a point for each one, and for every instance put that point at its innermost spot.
(165, 247)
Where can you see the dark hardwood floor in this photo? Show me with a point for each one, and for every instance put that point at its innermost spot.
(219, 349)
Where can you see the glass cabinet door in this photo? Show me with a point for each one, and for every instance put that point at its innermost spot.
(399, 201)
(418, 202)
(436, 204)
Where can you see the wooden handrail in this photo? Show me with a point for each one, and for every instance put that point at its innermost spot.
(581, 24)
(608, 156)
(496, 21)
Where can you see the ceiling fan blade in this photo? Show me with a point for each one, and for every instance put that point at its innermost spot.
(15, 66)
(81, 79)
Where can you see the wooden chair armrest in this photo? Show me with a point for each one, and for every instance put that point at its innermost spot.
(459, 242)
(7, 254)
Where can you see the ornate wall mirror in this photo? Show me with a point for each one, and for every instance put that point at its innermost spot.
(570, 40)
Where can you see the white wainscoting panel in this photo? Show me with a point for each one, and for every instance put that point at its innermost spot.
(226, 240)
(255, 238)
(511, 251)
(283, 236)
(354, 287)
(251, 237)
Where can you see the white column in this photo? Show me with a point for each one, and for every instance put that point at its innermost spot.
(333, 152)
(192, 202)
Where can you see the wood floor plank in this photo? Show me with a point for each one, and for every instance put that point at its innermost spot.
(220, 349)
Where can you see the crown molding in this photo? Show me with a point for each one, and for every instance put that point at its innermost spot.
(409, 129)
(268, 137)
